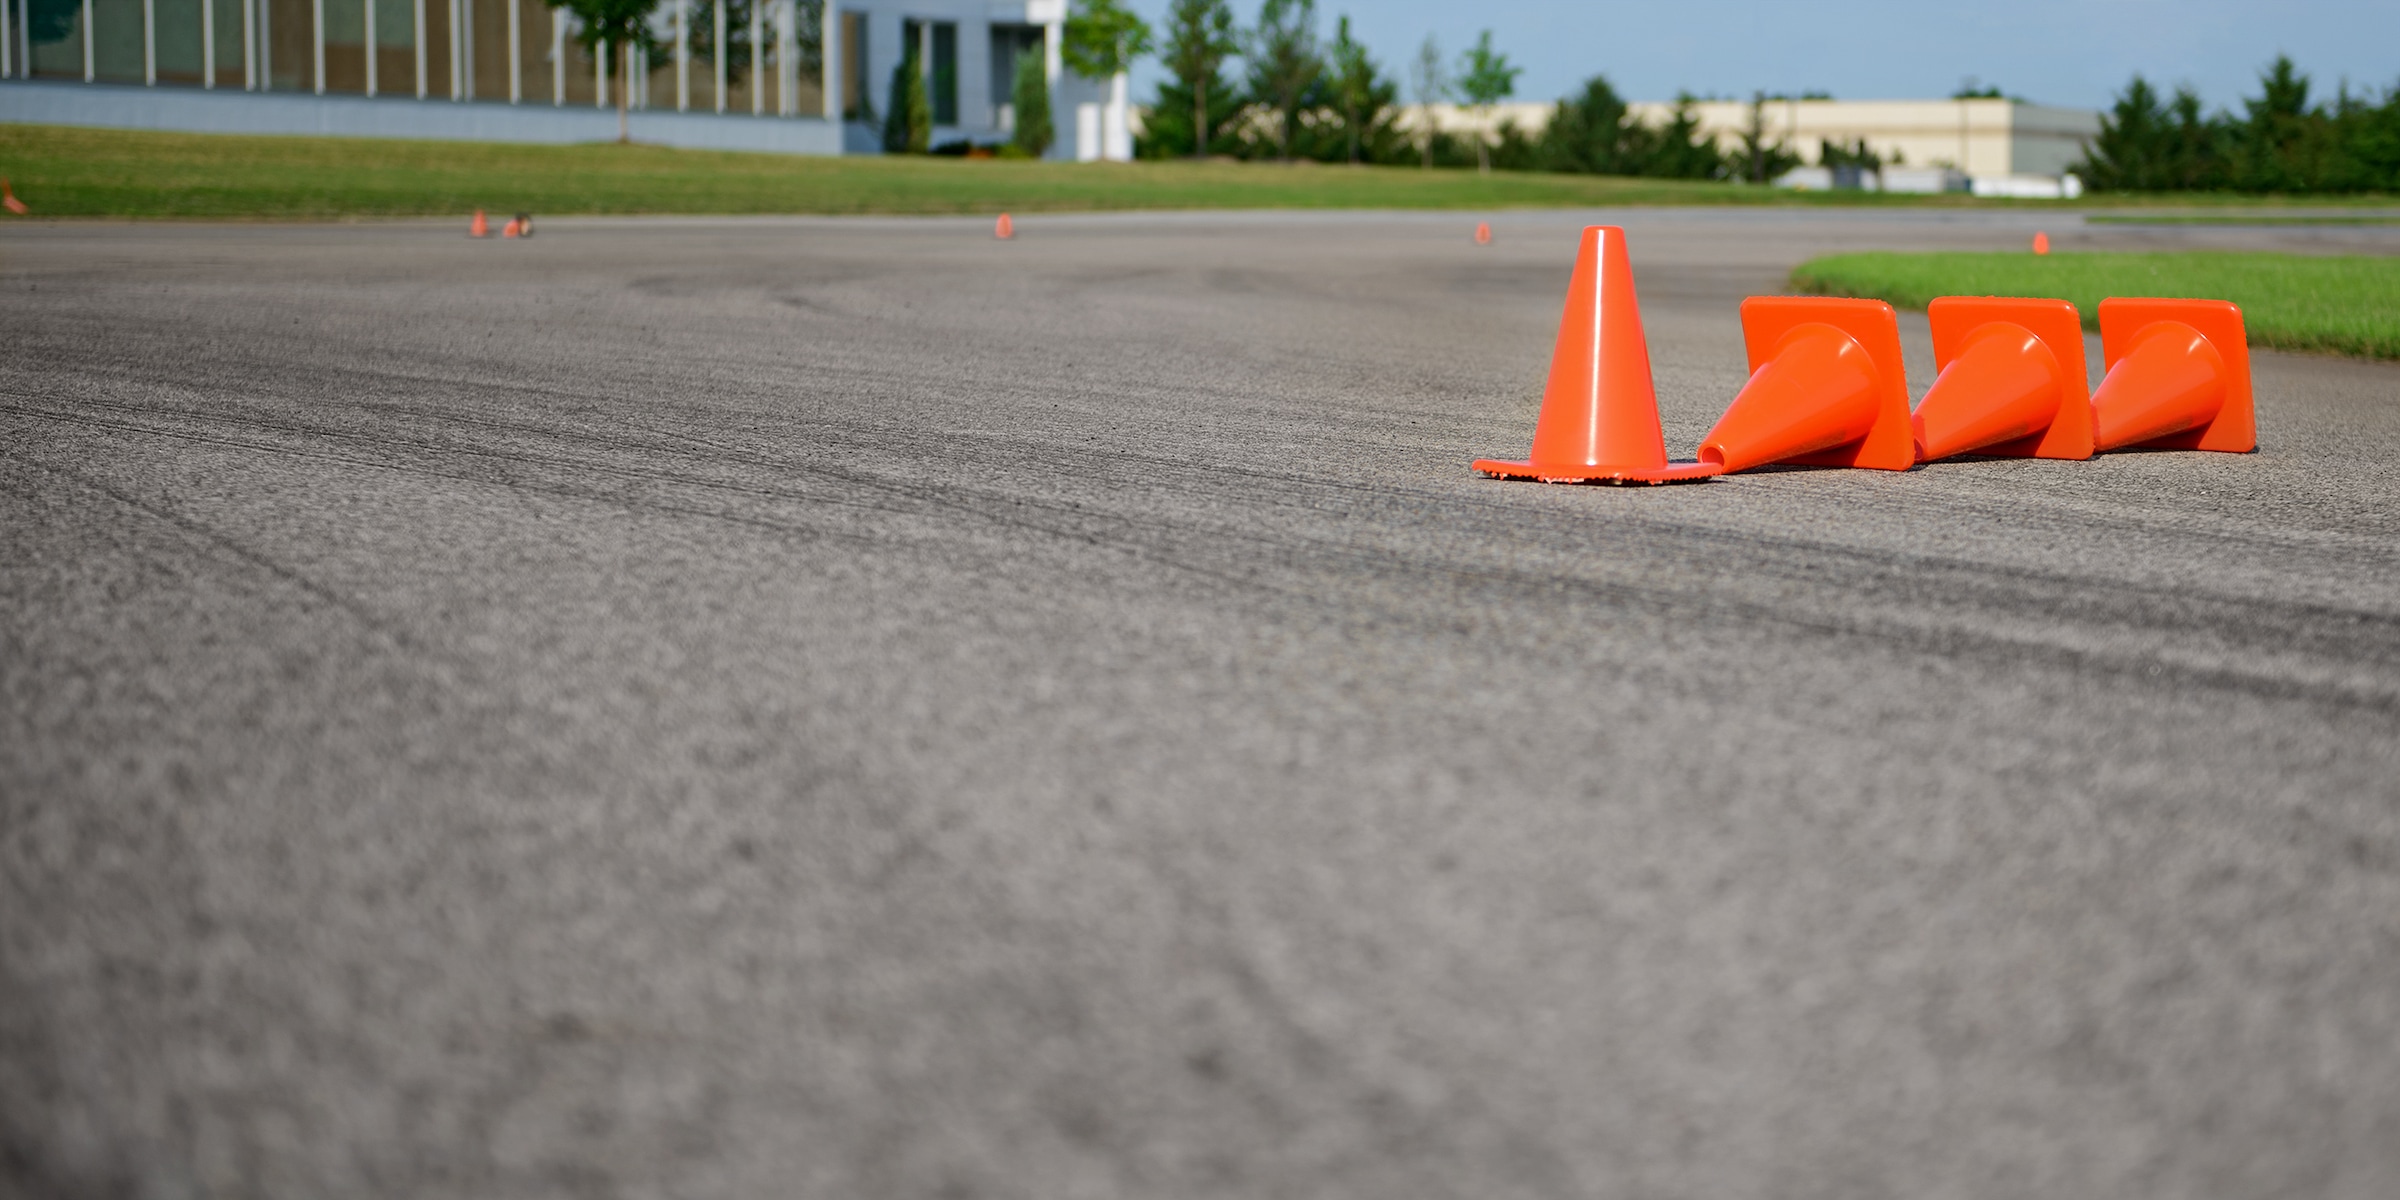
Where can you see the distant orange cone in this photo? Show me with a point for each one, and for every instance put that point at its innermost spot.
(2012, 381)
(1826, 388)
(2041, 242)
(509, 230)
(1483, 233)
(1004, 228)
(2178, 377)
(1599, 420)
(8, 199)
(477, 227)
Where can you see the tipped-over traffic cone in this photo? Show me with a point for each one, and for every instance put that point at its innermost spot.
(1483, 233)
(2041, 242)
(2012, 381)
(8, 199)
(1004, 228)
(1826, 388)
(1599, 421)
(509, 230)
(2178, 377)
(477, 227)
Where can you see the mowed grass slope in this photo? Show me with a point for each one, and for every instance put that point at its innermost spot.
(2288, 301)
(119, 173)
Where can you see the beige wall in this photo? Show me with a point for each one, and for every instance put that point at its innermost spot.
(1980, 137)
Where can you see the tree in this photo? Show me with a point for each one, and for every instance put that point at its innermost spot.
(1679, 149)
(622, 26)
(1285, 68)
(1030, 94)
(1762, 160)
(908, 119)
(1103, 37)
(1200, 37)
(1430, 82)
(1587, 133)
(1358, 86)
(2133, 150)
(1485, 79)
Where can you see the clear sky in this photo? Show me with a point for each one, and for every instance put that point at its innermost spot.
(2071, 52)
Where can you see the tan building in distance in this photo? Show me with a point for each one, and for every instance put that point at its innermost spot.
(1983, 138)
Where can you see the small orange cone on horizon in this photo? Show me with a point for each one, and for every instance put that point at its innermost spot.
(2012, 381)
(477, 227)
(2178, 377)
(8, 198)
(1599, 418)
(1483, 233)
(2041, 242)
(1826, 388)
(1004, 228)
(509, 230)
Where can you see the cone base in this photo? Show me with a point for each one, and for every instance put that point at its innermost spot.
(1673, 472)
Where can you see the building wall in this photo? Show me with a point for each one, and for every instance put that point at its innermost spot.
(1980, 137)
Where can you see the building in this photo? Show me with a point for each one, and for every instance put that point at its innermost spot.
(1981, 139)
(515, 70)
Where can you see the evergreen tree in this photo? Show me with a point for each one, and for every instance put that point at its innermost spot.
(1195, 104)
(908, 119)
(1759, 160)
(1030, 96)
(1286, 72)
(1586, 134)
(2135, 149)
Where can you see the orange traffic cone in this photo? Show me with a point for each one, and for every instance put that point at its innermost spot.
(477, 227)
(8, 199)
(1826, 388)
(509, 230)
(1004, 228)
(2012, 381)
(1599, 421)
(2041, 242)
(1483, 233)
(2178, 377)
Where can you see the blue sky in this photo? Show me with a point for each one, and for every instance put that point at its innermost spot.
(2072, 52)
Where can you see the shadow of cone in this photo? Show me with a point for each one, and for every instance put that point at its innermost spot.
(1826, 388)
(2178, 377)
(2012, 381)
(1599, 420)
(478, 227)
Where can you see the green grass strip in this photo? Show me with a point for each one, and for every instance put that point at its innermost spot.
(2289, 301)
(74, 172)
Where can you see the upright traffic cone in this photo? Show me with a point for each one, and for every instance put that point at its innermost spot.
(1827, 388)
(477, 227)
(2178, 377)
(2012, 381)
(1599, 420)
(1483, 233)
(8, 198)
(1004, 228)
(2041, 242)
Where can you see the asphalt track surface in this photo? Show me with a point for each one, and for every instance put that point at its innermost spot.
(851, 708)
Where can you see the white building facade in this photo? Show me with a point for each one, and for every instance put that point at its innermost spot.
(807, 76)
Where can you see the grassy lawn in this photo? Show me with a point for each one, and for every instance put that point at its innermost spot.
(74, 172)
(2344, 305)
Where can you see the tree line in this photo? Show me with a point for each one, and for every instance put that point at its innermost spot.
(2279, 142)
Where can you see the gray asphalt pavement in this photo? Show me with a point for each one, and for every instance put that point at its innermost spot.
(851, 708)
